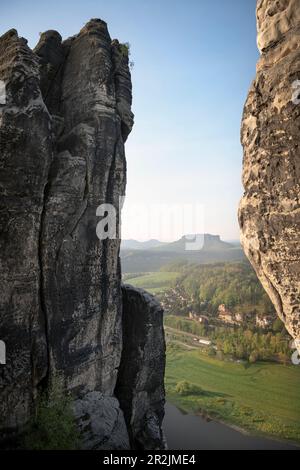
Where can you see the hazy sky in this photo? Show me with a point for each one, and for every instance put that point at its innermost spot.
(194, 62)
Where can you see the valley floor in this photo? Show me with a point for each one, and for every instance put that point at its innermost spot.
(261, 398)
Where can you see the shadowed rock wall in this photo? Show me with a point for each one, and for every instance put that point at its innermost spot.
(63, 127)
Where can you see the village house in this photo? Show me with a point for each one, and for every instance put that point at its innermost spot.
(239, 318)
(200, 318)
(263, 321)
(205, 342)
(203, 319)
(225, 315)
(193, 316)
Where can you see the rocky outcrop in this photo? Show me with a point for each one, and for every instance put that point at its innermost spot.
(63, 127)
(270, 209)
(140, 385)
(101, 423)
(25, 159)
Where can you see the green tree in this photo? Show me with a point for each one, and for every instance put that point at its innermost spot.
(277, 326)
(212, 352)
(53, 427)
(186, 388)
(253, 357)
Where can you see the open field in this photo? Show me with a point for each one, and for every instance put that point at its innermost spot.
(262, 398)
(153, 282)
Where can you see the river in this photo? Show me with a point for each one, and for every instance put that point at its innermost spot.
(190, 432)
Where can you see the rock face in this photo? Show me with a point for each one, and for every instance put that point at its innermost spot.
(140, 385)
(101, 422)
(270, 209)
(25, 159)
(63, 127)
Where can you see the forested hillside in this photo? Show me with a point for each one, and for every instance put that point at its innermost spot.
(233, 284)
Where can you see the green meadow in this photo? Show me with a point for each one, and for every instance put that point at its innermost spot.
(261, 398)
(155, 282)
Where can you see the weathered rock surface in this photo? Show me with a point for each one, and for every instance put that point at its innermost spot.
(63, 127)
(140, 385)
(277, 20)
(88, 169)
(25, 158)
(270, 209)
(101, 423)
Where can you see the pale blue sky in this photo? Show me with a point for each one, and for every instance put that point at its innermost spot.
(194, 62)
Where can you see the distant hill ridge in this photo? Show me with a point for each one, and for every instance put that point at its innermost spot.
(137, 245)
(150, 256)
(206, 242)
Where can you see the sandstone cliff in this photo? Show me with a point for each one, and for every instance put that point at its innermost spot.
(270, 209)
(63, 127)
(140, 384)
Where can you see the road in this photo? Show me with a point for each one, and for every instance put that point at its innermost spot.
(190, 335)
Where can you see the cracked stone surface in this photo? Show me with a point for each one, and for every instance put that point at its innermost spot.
(25, 158)
(101, 423)
(269, 212)
(63, 127)
(140, 385)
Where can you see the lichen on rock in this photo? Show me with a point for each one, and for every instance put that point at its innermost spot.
(269, 212)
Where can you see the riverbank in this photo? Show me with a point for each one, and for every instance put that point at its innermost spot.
(187, 431)
(249, 433)
(260, 399)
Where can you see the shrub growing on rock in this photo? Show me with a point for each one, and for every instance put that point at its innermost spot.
(53, 427)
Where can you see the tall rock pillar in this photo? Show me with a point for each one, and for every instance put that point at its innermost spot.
(269, 211)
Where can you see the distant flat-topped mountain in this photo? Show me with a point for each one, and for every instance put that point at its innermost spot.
(235, 243)
(195, 242)
(137, 245)
(152, 255)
